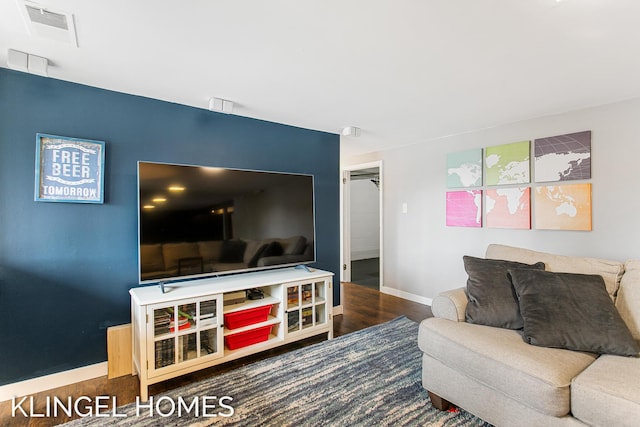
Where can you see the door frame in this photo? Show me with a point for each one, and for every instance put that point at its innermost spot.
(345, 236)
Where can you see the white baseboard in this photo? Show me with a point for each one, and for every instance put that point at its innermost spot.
(48, 382)
(406, 295)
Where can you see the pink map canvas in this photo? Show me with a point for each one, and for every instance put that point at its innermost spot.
(508, 208)
(464, 208)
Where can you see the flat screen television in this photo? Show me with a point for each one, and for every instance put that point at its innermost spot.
(197, 221)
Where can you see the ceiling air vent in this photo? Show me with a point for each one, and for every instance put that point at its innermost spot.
(46, 17)
(43, 21)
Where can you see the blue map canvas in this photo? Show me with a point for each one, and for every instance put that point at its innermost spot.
(464, 169)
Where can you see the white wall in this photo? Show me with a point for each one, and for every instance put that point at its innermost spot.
(365, 219)
(424, 257)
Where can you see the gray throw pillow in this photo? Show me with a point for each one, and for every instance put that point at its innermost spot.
(492, 301)
(572, 311)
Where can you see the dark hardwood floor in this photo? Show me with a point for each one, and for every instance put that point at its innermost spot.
(363, 307)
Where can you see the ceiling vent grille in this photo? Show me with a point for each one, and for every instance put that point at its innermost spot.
(42, 21)
(46, 17)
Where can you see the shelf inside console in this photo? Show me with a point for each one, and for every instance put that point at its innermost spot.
(248, 304)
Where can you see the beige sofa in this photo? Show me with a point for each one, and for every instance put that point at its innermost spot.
(493, 373)
(164, 260)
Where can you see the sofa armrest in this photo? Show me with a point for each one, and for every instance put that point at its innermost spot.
(450, 305)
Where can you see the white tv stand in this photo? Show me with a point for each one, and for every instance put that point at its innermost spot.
(301, 306)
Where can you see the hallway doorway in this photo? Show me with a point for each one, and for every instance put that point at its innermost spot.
(362, 234)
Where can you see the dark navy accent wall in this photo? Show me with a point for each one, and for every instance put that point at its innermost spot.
(66, 268)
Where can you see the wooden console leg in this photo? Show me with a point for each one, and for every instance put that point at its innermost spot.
(438, 402)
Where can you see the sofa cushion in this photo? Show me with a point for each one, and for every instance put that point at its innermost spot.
(210, 250)
(573, 311)
(536, 377)
(173, 252)
(607, 392)
(628, 301)
(293, 245)
(151, 258)
(492, 301)
(611, 271)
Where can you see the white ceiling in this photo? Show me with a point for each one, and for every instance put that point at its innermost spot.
(405, 71)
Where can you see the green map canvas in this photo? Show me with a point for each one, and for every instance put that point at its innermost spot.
(464, 169)
(508, 163)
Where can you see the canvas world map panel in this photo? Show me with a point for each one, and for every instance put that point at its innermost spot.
(464, 169)
(563, 157)
(508, 163)
(464, 208)
(508, 208)
(563, 207)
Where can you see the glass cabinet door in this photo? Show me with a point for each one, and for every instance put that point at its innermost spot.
(186, 331)
(209, 323)
(164, 339)
(307, 294)
(320, 305)
(293, 308)
(307, 317)
(306, 306)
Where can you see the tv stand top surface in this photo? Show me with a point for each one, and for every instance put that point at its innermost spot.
(193, 288)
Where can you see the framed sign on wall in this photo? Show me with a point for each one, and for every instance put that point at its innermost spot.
(69, 169)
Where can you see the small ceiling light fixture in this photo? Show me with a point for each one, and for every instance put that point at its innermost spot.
(351, 131)
(176, 188)
(221, 105)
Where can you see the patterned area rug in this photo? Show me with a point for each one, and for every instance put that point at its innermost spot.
(371, 377)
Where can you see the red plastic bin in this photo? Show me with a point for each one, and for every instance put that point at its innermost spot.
(243, 339)
(247, 317)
